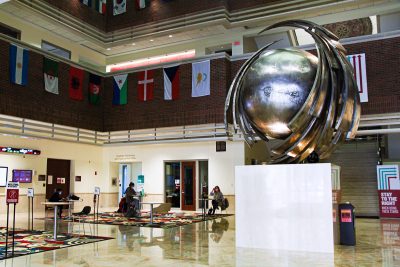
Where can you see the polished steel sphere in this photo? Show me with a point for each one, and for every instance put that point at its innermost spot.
(275, 87)
(310, 104)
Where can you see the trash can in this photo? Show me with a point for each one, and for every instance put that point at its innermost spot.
(347, 224)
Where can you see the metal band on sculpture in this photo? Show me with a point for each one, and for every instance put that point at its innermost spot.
(269, 91)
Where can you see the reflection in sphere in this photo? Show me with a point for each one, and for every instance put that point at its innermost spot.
(275, 88)
(308, 103)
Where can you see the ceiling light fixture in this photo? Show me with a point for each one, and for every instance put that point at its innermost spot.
(133, 44)
(151, 40)
(170, 36)
(108, 49)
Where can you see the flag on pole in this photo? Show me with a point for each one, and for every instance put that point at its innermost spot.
(94, 89)
(76, 83)
(101, 6)
(171, 83)
(50, 69)
(86, 2)
(119, 7)
(120, 84)
(19, 59)
(201, 78)
(146, 85)
(360, 74)
(140, 4)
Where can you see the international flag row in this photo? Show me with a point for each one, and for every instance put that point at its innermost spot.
(171, 77)
(119, 6)
(19, 61)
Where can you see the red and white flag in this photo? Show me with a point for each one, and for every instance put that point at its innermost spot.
(146, 85)
(360, 74)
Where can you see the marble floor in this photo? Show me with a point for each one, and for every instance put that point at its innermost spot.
(208, 243)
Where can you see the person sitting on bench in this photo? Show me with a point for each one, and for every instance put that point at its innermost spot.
(218, 200)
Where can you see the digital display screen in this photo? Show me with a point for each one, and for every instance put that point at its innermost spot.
(22, 176)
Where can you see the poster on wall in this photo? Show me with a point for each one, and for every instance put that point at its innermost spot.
(50, 179)
(140, 184)
(388, 190)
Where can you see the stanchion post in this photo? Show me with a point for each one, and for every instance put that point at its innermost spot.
(13, 240)
(32, 216)
(8, 212)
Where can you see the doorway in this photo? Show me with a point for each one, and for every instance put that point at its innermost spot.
(58, 176)
(128, 172)
(188, 192)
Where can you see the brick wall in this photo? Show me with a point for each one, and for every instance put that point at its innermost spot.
(161, 113)
(33, 102)
(77, 9)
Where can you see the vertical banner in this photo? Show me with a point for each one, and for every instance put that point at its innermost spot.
(388, 190)
(360, 74)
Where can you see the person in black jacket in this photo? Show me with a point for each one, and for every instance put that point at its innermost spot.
(56, 197)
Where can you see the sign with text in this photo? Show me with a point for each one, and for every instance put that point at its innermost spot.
(12, 192)
(388, 190)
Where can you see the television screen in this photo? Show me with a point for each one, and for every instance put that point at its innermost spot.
(22, 176)
(3, 176)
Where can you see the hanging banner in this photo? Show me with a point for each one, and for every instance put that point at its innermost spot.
(388, 190)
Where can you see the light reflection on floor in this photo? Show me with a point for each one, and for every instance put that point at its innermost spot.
(209, 243)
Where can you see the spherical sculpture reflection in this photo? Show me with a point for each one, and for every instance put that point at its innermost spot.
(310, 103)
(275, 87)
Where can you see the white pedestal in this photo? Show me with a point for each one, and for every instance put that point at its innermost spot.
(284, 207)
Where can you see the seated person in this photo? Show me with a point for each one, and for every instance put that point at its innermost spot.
(56, 197)
(130, 193)
(218, 200)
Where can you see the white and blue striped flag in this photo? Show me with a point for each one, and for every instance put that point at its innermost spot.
(19, 58)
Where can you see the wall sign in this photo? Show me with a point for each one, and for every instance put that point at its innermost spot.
(388, 190)
(21, 151)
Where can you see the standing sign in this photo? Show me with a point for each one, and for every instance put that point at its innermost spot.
(12, 192)
(140, 184)
(30, 192)
(97, 190)
(388, 190)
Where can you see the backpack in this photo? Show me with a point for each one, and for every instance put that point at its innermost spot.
(226, 204)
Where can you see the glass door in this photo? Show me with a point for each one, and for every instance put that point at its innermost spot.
(188, 199)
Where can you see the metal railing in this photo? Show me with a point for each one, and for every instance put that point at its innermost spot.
(10, 125)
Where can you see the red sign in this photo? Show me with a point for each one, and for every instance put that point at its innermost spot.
(345, 216)
(389, 205)
(12, 195)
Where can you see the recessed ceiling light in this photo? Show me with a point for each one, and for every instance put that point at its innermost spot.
(151, 40)
(170, 36)
(108, 49)
(222, 47)
(133, 44)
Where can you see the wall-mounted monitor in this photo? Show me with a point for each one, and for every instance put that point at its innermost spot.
(3, 176)
(22, 176)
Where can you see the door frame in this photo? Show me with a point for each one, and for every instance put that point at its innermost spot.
(183, 186)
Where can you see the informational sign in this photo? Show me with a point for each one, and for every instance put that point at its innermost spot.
(388, 190)
(12, 192)
(49, 179)
(345, 216)
(140, 184)
(30, 192)
(97, 190)
(335, 178)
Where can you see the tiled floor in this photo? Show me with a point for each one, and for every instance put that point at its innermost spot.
(210, 243)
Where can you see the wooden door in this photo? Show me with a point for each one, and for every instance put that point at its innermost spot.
(58, 168)
(188, 181)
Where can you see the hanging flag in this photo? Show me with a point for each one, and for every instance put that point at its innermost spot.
(171, 83)
(360, 74)
(201, 78)
(140, 4)
(119, 7)
(146, 85)
(50, 69)
(101, 6)
(94, 89)
(120, 84)
(19, 59)
(76, 83)
(86, 2)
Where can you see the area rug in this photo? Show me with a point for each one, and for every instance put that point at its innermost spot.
(168, 220)
(29, 242)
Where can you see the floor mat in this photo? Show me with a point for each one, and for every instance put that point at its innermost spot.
(29, 242)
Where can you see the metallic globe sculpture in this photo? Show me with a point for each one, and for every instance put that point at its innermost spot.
(309, 103)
